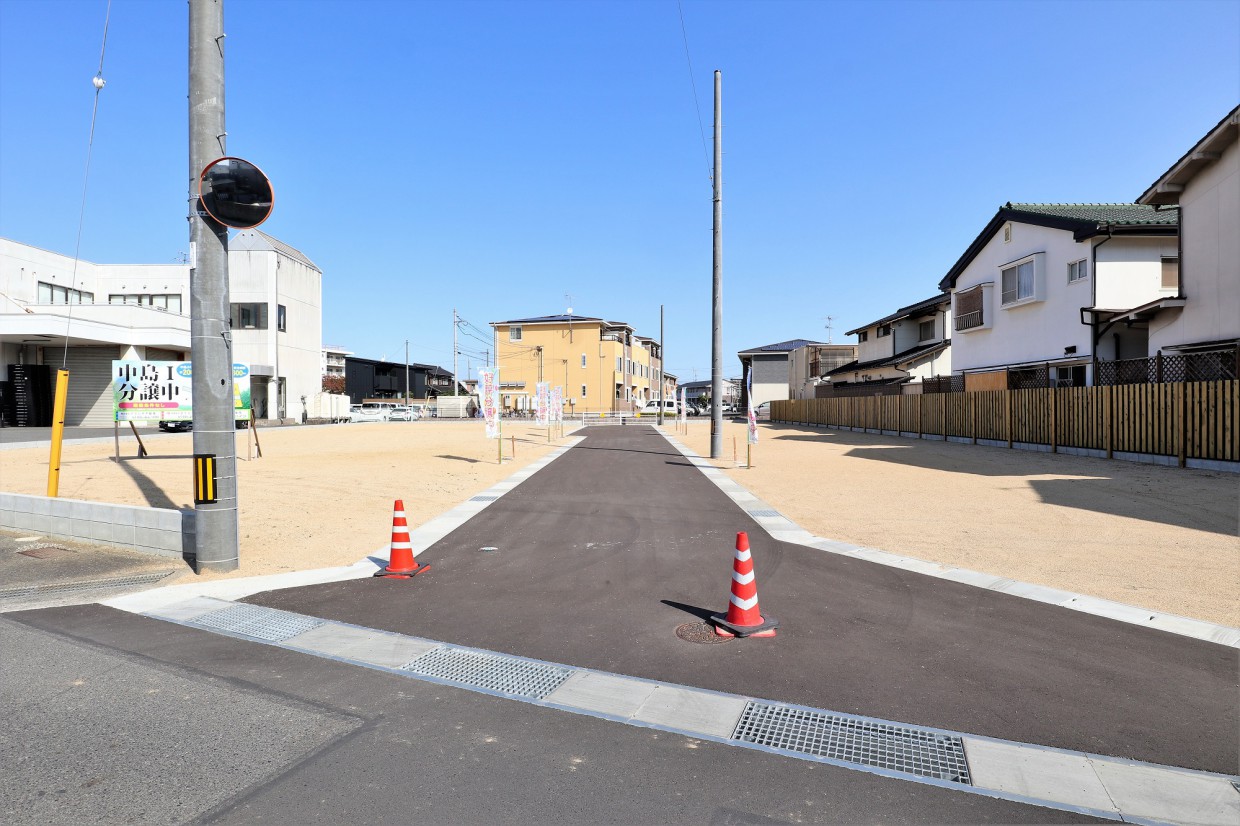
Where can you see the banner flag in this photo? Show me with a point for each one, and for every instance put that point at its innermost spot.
(488, 394)
(753, 417)
(542, 404)
(557, 404)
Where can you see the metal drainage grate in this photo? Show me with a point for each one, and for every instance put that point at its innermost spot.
(94, 584)
(507, 675)
(483, 498)
(764, 512)
(258, 622)
(870, 743)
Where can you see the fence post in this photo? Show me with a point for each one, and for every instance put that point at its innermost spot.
(921, 425)
(1008, 398)
(1158, 367)
(1107, 414)
(1054, 421)
(973, 404)
(1182, 403)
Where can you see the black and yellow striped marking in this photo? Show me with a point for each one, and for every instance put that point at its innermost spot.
(204, 478)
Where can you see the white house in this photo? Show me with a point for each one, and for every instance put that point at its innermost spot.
(909, 345)
(108, 312)
(1205, 184)
(769, 366)
(1025, 292)
(808, 366)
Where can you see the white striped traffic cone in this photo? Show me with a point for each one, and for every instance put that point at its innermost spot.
(401, 563)
(743, 618)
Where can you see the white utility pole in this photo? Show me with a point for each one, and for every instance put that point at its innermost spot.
(454, 350)
(406, 372)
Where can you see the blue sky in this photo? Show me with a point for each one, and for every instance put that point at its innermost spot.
(497, 156)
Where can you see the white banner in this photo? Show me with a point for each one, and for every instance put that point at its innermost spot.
(753, 417)
(488, 394)
(542, 403)
(684, 410)
(557, 404)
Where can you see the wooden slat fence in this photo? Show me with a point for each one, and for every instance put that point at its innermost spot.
(1189, 420)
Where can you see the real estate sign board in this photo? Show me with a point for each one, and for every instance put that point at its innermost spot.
(164, 391)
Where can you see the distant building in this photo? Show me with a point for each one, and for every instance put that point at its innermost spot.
(603, 366)
(769, 365)
(374, 379)
(698, 392)
(809, 365)
(333, 360)
(136, 312)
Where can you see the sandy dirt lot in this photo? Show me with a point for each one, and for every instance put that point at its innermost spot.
(1157, 537)
(1161, 538)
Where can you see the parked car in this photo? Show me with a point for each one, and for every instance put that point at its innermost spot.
(373, 412)
(404, 413)
(186, 425)
(651, 408)
(762, 411)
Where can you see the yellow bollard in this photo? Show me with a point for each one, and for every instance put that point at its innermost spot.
(58, 431)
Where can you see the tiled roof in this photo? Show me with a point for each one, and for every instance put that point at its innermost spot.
(1111, 214)
(891, 361)
(905, 312)
(548, 319)
(1082, 220)
(781, 347)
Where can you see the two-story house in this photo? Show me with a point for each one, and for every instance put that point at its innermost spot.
(909, 345)
(604, 366)
(768, 365)
(1025, 292)
(1204, 315)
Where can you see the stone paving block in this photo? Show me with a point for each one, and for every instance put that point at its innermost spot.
(1030, 772)
(693, 711)
(603, 693)
(1169, 795)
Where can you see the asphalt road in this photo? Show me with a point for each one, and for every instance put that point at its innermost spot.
(604, 552)
(119, 718)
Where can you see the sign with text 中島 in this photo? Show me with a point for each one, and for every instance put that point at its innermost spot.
(164, 391)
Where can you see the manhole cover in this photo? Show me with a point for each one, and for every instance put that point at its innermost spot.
(45, 551)
(700, 632)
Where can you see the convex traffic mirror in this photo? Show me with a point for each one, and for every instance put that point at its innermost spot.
(235, 192)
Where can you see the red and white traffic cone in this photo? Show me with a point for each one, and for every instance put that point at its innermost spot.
(743, 618)
(401, 563)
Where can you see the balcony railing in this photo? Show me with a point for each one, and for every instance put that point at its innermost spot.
(967, 321)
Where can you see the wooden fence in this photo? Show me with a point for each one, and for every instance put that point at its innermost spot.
(1193, 420)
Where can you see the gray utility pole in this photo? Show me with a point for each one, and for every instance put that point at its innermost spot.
(216, 545)
(406, 372)
(455, 326)
(716, 344)
(662, 364)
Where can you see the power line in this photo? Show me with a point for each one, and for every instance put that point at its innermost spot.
(697, 107)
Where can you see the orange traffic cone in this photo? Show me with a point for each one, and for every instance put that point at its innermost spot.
(401, 564)
(743, 618)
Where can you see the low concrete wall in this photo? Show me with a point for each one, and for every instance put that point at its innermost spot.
(158, 531)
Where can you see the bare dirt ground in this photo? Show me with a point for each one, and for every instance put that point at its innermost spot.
(1157, 537)
(1161, 538)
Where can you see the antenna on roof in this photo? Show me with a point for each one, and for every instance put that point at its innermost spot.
(568, 299)
(829, 320)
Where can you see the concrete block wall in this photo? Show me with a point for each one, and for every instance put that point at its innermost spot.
(159, 531)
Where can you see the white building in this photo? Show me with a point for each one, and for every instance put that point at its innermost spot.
(769, 366)
(108, 312)
(334, 360)
(1024, 292)
(809, 365)
(905, 347)
(1205, 184)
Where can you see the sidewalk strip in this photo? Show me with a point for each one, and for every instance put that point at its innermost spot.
(1090, 784)
(782, 529)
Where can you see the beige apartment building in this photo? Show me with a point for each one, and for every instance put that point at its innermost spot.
(604, 366)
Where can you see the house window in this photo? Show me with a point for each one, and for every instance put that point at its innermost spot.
(1018, 283)
(884, 330)
(583, 361)
(249, 316)
(1070, 376)
(969, 308)
(167, 301)
(1171, 273)
(1007, 233)
(514, 333)
(281, 318)
(1078, 271)
(583, 391)
(863, 336)
(925, 330)
(55, 294)
(619, 365)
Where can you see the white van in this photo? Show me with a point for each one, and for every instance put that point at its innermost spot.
(651, 408)
(374, 412)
